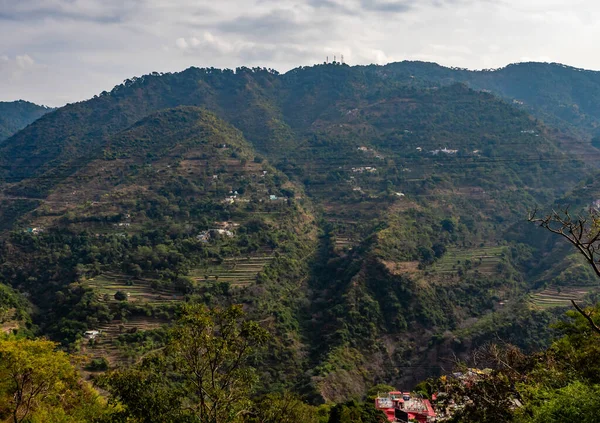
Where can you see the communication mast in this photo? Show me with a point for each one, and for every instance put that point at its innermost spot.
(342, 59)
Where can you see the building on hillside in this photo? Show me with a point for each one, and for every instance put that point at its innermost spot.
(203, 236)
(403, 407)
(443, 150)
(91, 334)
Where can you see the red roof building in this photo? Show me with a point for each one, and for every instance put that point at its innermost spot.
(402, 407)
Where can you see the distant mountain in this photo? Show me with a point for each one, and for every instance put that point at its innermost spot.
(560, 95)
(16, 115)
(366, 217)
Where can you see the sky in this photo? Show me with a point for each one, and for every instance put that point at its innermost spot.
(54, 52)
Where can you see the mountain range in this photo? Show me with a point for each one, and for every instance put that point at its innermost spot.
(374, 218)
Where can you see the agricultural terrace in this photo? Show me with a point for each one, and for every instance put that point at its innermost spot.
(483, 259)
(560, 296)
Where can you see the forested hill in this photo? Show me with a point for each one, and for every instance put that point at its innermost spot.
(560, 95)
(16, 115)
(354, 214)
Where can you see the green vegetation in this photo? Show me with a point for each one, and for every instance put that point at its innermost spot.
(355, 214)
(558, 94)
(39, 384)
(16, 115)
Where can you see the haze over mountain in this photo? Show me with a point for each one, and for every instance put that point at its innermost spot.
(16, 115)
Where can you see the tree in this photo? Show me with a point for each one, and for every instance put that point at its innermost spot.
(355, 412)
(282, 408)
(37, 379)
(203, 373)
(374, 391)
(584, 233)
(120, 296)
(577, 402)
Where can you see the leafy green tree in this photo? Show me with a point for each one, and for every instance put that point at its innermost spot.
(204, 373)
(282, 408)
(374, 391)
(577, 402)
(36, 381)
(355, 412)
(120, 296)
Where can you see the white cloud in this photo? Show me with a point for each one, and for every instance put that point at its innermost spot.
(182, 44)
(24, 62)
(17, 67)
(77, 48)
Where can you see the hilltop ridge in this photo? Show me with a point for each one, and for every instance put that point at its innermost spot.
(16, 115)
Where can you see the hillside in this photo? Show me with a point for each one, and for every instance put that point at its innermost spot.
(16, 115)
(355, 216)
(177, 206)
(562, 96)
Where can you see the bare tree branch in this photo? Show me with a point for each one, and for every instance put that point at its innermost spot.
(588, 317)
(581, 232)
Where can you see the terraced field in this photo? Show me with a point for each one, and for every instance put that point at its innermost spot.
(343, 243)
(105, 345)
(140, 291)
(560, 297)
(239, 272)
(483, 259)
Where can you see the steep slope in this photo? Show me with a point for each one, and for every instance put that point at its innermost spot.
(16, 115)
(176, 208)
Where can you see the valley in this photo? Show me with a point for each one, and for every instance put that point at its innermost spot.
(373, 224)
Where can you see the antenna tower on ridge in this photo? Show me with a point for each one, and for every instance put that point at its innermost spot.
(342, 59)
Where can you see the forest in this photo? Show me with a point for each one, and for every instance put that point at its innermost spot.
(248, 246)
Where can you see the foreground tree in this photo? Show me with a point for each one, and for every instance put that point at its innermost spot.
(38, 383)
(204, 373)
(583, 232)
(282, 408)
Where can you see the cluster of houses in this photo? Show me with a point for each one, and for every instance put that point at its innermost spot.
(124, 224)
(224, 229)
(231, 198)
(370, 150)
(443, 150)
(403, 407)
(206, 236)
(363, 169)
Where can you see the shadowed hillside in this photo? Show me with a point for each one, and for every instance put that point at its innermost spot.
(16, 115)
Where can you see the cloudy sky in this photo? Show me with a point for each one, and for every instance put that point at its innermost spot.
(58, 51)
